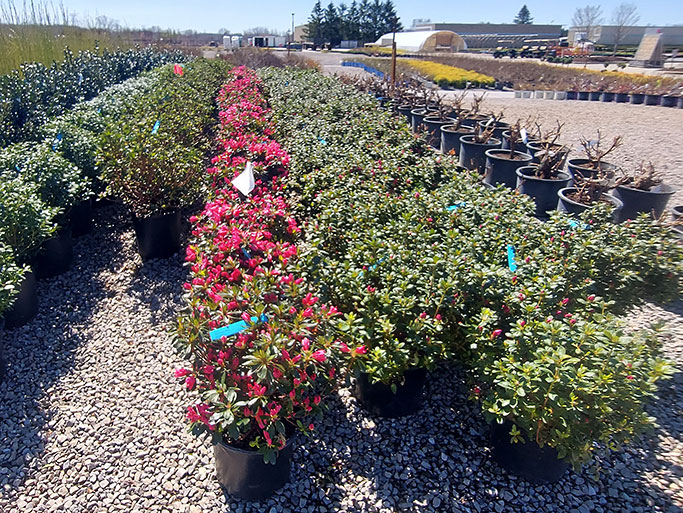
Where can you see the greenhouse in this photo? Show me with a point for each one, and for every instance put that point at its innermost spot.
(425, 41)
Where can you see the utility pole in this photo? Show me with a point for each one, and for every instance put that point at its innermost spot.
(393, 53)
(292, 37)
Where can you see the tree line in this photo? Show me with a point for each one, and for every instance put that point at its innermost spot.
(364, 21)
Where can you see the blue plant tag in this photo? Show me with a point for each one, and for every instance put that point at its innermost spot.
(322, 141)
(80, 78)
(511, 258)
(234, 328)
(374, 266)
(246, 254)
(57, 140)
(18, 168)
(156, 126)
(456, 206)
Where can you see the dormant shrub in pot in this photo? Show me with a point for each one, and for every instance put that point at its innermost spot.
(643, 191)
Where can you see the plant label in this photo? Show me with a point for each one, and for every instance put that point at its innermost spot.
(245, 180)
(525, 136)
(455, 206)
(156, 126)
(592, 143)
(234, 328)
(512, 265)
(488, 123)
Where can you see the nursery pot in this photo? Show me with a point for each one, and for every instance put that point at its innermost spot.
(637, 98)
(383, 101)
(572, 95)
(653, 99)
(636, 201)
(81, 218)
(542, 190)
(607, 97)
(594, 96)
(378, 398)
(25, 306)
(417, 117)
(583, 95)
(244, 474)
(535, 147)
(56, 255)
(621, 97)
(505, 138)
(499, 128)
(501, 169)
(450, 138)
(669, 101)
(158, 236)
(677, 212)
(580, 168)
(564, 204)
(433, 126)
(473, 154)
(404, 110)
(3, 365)
(473, 120)
(527, 460)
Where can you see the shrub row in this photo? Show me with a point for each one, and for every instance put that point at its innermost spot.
(427, 265)
(34, 94)
(449, 76)
(263, 382)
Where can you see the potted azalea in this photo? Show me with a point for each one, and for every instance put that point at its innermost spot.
(60, 184)
(643, 191)
(473, 147)
(262, 349)
(587, 193)
(11, 276)
(542, 181)
(443, 116)
(549, 399)
(27, 222)
(594, 163)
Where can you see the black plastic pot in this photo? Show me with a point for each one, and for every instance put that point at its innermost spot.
(81, 218)
(473, 120)
(583, 95)
(158, 236)
(543, 191)
(537, 465)
(502, 170)
(416, 119)
(378, 398)
(669, 101)
(680, 102)
(637, 98)
(450, 139)
(636, 201)
(578, 167)
(505, 143)
(56, 255)
(433, 126)
(404, 110)
(677, 212)
(3, 365)
(607, 97)
(653, 99)
(500, 127)
(621, 97)
(473, 154)
(25, 306)
(594, 96)
(244, 474)
(572, 95)
(564, 204)
(383, 101)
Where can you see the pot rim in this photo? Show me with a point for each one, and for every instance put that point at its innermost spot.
(670, 190)
(616, 202)
(447, 128)
(486, 144)
(229, 447)
(175, 211)
(434, 119)
(492, 154)
(604, 166)
(520, 173)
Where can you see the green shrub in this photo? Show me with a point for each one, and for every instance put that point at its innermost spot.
(11, 275)
(26, 219)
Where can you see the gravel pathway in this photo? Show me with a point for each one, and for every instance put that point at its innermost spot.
(91, 420)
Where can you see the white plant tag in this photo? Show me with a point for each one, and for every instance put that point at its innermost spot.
(244, 182)
(489, 122)
(592, 143)
(525, 136)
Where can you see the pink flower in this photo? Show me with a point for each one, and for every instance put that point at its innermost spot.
(423, 315)
(309, 300)
(190, 382)
(180, 373)
(565, 301)
(319, 356)
(496, 333)
(246, 317)
(630, 377)
(308, 312)
(361, 350)
(591, 297)
(437, 317)
(311, 427)
(343, 347)
(306, 344)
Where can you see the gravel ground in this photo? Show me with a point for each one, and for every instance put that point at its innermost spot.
(91, 419)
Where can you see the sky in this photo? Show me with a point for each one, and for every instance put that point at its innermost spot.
(236, 16)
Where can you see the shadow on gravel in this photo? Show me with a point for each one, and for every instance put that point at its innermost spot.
(41, 352)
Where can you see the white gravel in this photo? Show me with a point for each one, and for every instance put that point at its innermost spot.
(91, 420)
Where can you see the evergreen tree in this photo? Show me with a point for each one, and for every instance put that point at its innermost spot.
(524, 16)
(332, 25)
(314, 30)
(353, 22)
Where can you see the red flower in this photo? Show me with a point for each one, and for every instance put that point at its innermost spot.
(319, 356)
(496, 333)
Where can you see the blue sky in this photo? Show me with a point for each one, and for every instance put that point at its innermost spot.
(209, 16)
